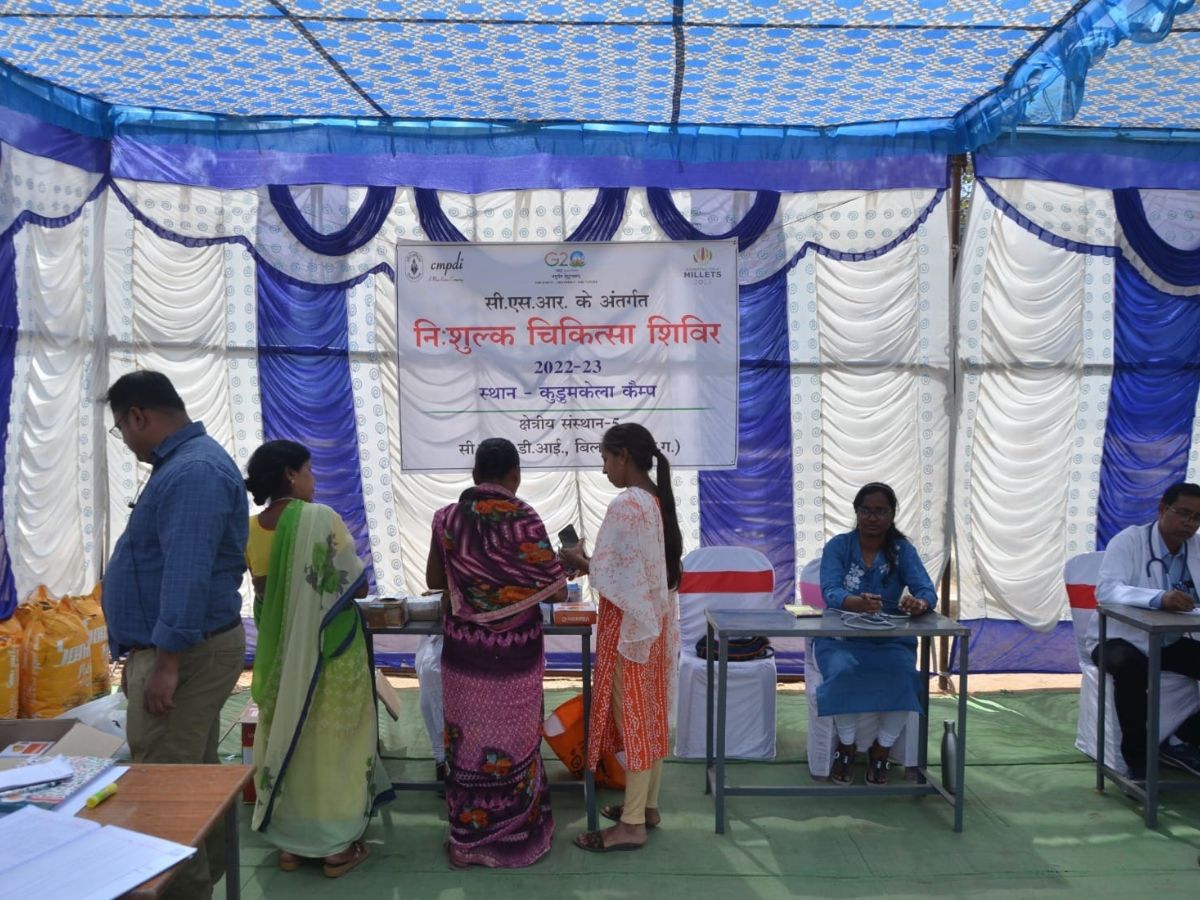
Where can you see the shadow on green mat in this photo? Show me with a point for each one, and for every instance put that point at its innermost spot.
(1034, 827)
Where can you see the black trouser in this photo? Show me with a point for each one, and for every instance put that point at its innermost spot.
(1130, 669)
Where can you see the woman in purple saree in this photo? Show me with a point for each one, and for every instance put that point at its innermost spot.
(491, 555)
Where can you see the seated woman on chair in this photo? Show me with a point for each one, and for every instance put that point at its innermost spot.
(870, 684)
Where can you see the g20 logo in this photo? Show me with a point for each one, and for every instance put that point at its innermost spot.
(564, 259)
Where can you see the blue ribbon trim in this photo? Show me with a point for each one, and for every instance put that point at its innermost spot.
(361, 228)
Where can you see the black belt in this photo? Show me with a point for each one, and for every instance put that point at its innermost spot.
(132, 648)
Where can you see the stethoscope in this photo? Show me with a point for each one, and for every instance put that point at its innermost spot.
(1162, 562)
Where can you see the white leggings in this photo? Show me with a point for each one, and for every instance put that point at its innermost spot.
(861, 729)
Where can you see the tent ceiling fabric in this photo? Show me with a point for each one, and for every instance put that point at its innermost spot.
(967, 70)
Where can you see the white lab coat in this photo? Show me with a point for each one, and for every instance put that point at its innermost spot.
(1123, 580)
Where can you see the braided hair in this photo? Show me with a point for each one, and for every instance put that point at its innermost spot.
(637, 441)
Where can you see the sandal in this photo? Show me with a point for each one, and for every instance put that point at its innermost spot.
(842, 770)
(613, 814)
(877, 766)
(289, 862)
(593, 841)
(359, 852)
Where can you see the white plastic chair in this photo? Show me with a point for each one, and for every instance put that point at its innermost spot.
(725, 578)
(822, 736)
(1180, 695)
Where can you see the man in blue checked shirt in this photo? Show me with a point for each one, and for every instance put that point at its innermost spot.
(171, 591)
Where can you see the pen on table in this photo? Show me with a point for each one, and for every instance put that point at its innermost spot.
(101, 795)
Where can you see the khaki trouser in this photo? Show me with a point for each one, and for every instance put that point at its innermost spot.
(641, 788)
(188, 734)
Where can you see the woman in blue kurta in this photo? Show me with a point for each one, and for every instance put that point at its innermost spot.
(870, 684)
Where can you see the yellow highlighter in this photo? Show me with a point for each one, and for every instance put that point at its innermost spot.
(101, 795)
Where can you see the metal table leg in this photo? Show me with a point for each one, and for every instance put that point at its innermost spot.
(589, 777)
(1102, 699)
(722, 697)
(233, 856)
(708, 710)
(1155, 675)
(960, 762)
(923, 719)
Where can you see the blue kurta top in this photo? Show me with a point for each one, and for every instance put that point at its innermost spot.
(843, 573)
(869, 674)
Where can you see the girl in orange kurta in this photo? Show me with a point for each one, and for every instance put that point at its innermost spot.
(635, 567)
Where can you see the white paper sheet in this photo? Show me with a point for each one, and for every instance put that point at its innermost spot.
(61, 856)
(56, 769)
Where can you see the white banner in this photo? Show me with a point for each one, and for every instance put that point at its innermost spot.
(549, 345)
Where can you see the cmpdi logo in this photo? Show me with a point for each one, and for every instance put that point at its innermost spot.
(703, 255)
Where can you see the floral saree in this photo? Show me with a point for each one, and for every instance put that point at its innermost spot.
(499, 565)
(319, 775)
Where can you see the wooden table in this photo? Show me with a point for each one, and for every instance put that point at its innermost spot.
(181, 804)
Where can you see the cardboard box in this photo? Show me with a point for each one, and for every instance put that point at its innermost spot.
(248, 723)
(575, 614)
(387, 695)
(385, 613)
(70, 738)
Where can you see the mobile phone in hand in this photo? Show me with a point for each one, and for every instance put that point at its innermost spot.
(568, 537)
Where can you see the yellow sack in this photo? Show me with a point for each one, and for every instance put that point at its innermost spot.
(56, 661)
(87, 607)
(10, 668)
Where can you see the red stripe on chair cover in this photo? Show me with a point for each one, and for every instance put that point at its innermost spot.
(727, 582)
(1081, 596)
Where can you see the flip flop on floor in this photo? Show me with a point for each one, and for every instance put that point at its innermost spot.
(337, 870)
(613, 812)
(289, 862)
(593, 842)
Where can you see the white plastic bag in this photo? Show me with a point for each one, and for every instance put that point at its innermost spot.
(105, 714)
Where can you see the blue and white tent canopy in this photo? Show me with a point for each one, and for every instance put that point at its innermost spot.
(701, 82)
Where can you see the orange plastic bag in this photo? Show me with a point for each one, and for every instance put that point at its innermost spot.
(10, 668)
(56, 661)
(91, 615)
(564, 731)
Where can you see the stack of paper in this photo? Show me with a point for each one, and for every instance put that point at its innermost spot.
(77, 774)
(47, 855)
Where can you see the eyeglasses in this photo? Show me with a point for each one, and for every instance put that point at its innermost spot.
(1190, 516)
(115, 431)
(872, 512)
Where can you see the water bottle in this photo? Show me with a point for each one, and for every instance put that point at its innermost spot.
(949, 757)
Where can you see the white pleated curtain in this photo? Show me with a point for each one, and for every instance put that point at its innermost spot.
(868, 348)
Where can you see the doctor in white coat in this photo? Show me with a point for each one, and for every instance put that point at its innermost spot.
(1155, 566)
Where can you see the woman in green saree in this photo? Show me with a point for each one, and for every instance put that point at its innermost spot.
(319, 775)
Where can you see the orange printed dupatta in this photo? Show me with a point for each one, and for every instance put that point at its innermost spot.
(496, 554)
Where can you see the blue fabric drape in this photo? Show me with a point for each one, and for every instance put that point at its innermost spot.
(752, 504)
(434, 222)
(604, 218)
(362, 226)
(750, 229)
(1152, 401)
(999, 646)
(9, 324)
(1175, 266)
(600, 223)
(304, 380)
